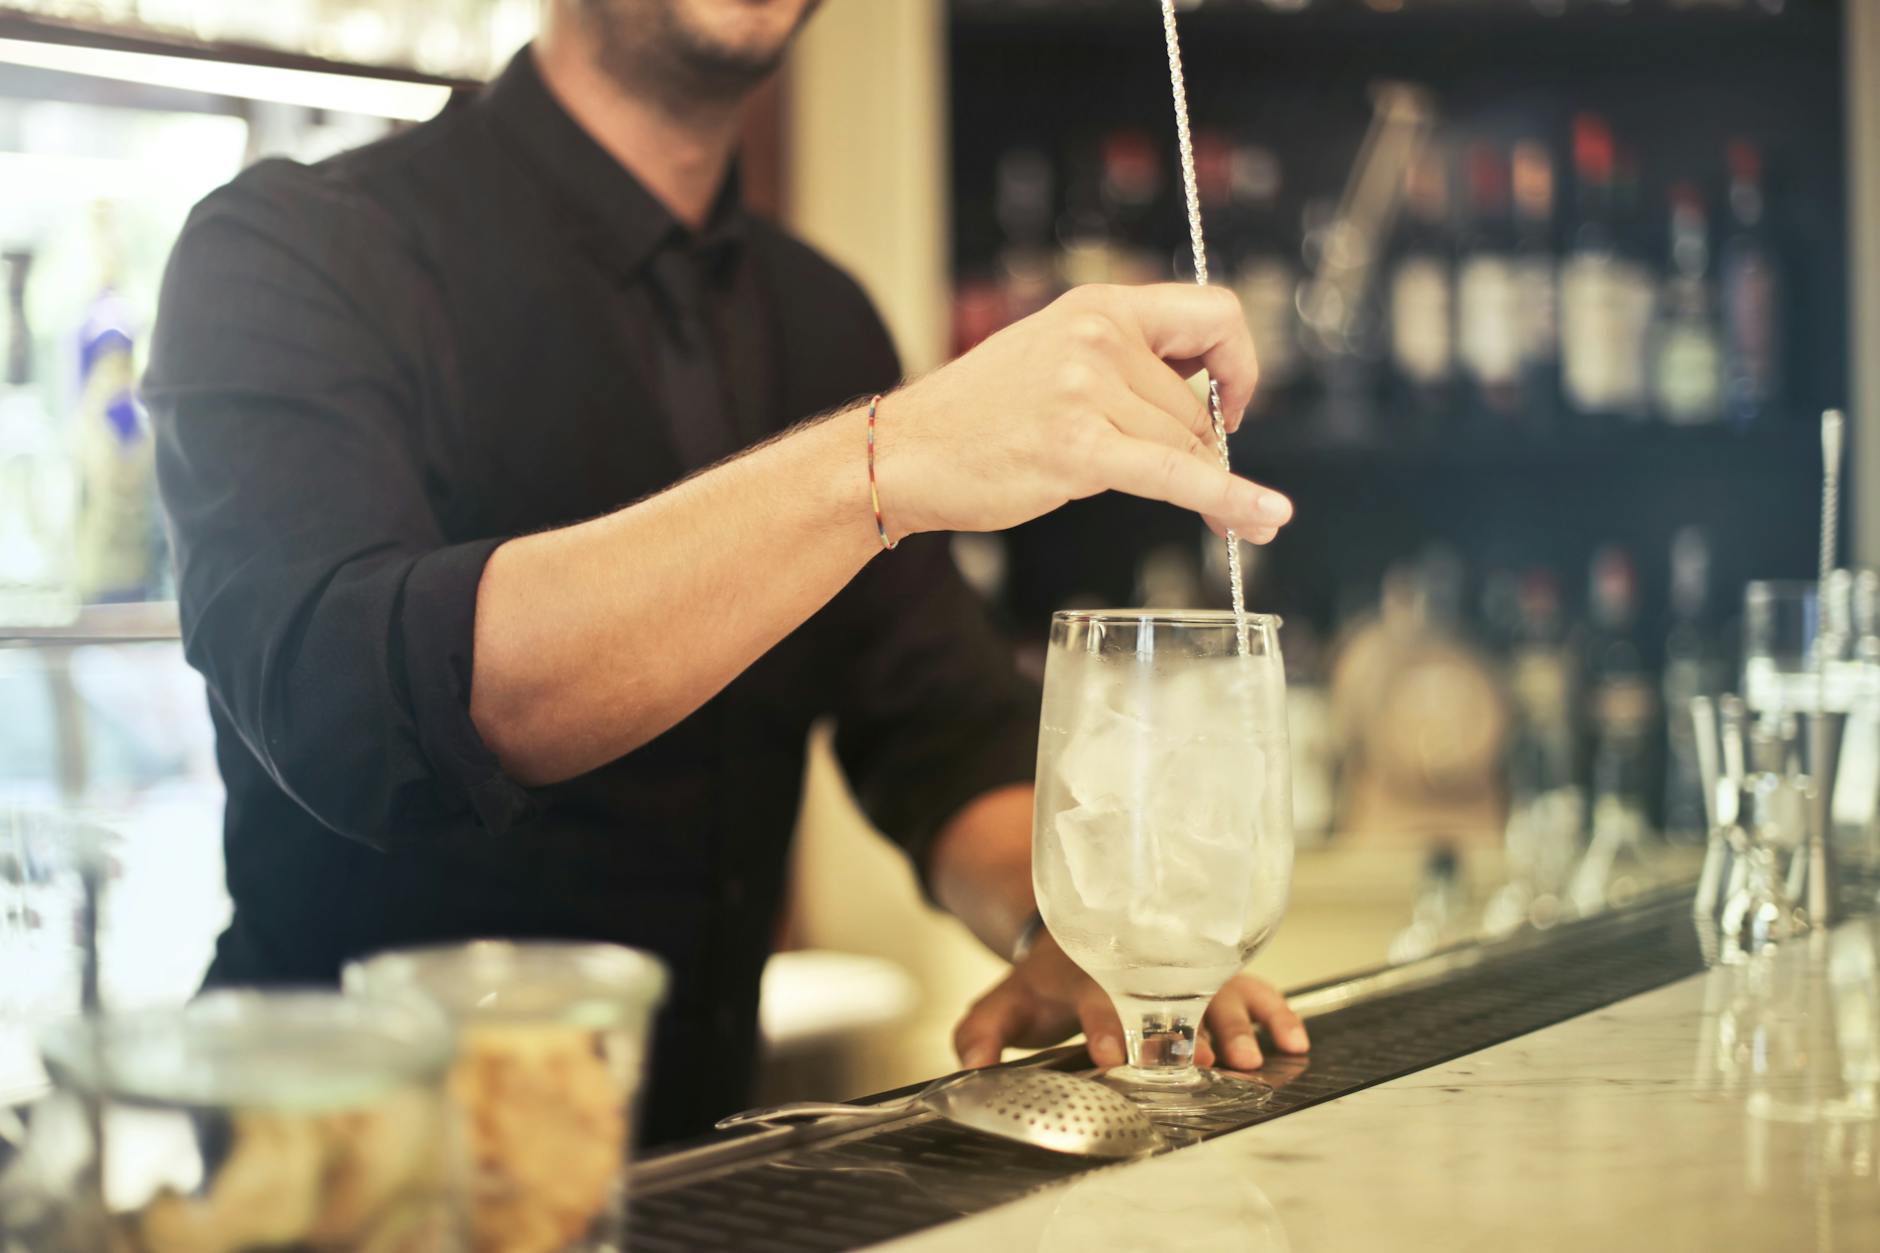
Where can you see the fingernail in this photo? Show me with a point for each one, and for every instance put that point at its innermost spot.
(1243, 1054)
(1106, 1050)
(1274, 507)
(1296, 1040)
(979, 1057)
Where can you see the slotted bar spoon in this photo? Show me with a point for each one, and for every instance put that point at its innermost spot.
(1047, 1109)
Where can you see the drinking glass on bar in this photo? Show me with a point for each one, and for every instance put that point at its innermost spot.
(552, 1039)
(1785, 623)
(1163, 843)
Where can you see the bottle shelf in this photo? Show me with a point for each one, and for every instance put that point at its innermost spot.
(130, 38)
(1290, 443)
(1647, 19)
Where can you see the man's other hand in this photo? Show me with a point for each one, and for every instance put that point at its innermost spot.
(1047, 998)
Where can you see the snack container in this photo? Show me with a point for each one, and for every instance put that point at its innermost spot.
(245, 1121)
(551, 1046)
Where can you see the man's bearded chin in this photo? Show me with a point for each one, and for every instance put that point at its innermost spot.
(651, 44)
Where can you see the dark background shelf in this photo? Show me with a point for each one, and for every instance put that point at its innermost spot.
(1676, 84)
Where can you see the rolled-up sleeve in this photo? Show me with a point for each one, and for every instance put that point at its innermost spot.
(322, 598)
(933, 713)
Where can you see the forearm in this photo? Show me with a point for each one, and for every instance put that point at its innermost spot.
(981, 866)
(593, 639)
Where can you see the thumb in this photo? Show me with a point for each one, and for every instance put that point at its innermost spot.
(1103, 1030)
(994, 1021)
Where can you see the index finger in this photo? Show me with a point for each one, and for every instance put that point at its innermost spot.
(1159, 472)
(1186, 322)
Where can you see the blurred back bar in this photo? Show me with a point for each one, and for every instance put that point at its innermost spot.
(1608, 307)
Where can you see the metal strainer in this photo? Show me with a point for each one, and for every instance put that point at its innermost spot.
(1044, 1108)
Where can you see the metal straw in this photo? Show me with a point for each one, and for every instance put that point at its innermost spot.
(1820, 902)
(1178, 85)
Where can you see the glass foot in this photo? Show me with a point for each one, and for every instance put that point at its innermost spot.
(1191, 1093)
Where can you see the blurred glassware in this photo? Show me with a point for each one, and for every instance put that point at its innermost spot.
(1855, 810)
(1437, 915)
(243, 1121)
(1707, 753)
(53, 868)
(552, 1043)
(1763, 815)
(1784, 623)
(1787, 628)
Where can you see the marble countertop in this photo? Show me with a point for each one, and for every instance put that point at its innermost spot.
(1733, 1110)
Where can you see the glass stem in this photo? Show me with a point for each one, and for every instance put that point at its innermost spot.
(1161, 1040)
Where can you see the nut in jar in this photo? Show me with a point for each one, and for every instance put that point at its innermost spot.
(550, 1044)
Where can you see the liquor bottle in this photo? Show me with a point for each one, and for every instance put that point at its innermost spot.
(1488, 295)
(1424, 722)
(1693, 667)
(1751, 279)
(1602, 325)
(35, 478)
(1421, 298)
(1638, 279)
(1536, 267)
(1500, 614)
(1265, 273)
(1024, 203)
(119, 537)
(1687, 341)
(1542, 679)
(1620, 702)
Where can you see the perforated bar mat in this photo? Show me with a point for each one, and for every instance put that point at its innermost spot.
(848, 1190)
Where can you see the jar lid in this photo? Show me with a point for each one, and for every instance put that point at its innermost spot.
(295, 1050)
(590, 985)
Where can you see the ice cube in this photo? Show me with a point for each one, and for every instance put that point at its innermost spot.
(1168, 774)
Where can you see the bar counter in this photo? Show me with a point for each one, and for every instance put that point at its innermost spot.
(1593, 1087)
(1731, 1110)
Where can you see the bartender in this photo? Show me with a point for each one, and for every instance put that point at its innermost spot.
(518, 560)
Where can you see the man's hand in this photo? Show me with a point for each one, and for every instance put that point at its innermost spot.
(1085, 396)
(1047, 998)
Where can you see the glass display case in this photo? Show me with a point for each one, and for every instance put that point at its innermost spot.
(116, 118)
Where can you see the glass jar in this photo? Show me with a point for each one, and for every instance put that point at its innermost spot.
(552, 1039)
(244, 1121)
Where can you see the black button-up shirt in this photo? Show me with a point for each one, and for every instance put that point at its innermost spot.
(370, 372)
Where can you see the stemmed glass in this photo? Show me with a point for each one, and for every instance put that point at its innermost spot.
(1163, 843)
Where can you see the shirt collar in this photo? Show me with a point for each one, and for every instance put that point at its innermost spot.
(613, 214)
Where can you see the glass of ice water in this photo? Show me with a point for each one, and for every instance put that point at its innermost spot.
(1163, 842)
